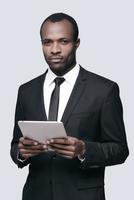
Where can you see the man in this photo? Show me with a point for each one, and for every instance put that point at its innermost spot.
(89, 107)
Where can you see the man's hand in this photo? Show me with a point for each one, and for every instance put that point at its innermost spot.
(29, 148)
(69, 147)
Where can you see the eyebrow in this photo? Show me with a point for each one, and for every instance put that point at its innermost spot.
(62, 38)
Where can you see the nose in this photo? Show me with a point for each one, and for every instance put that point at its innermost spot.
(55, 48)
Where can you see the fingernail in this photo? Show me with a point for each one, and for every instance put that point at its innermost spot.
(51, 140)
(48, 142)
(35, 143)
(44, 146)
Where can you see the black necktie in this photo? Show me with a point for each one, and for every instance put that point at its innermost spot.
(54, 102)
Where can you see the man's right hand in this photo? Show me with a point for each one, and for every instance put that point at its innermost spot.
(28, 148)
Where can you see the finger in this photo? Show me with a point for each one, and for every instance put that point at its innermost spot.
(29, 142)
(26, 156)
(65, 153)
(64, 147)
(32, 152)
(21, 139)
(72, 140)
(25, 138)
(65, 141)
(38, 147)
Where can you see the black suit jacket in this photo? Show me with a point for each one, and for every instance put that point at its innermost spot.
(93, 114)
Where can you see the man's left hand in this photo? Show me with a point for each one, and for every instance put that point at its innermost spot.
(69, 147)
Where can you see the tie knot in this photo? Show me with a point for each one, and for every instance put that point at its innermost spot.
(59, 80)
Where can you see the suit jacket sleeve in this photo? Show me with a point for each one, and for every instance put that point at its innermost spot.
(112, 148)
(19, 115)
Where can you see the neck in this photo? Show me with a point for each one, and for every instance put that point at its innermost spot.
(62, 73)
(64, 70)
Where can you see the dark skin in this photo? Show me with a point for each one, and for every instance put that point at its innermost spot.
(59, 47)
(59, 50)
(29, 148)
(69, 147)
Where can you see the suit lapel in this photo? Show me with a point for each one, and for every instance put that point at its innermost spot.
(75, 95)
(41, 96)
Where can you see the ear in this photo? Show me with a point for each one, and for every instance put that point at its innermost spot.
(77, 43)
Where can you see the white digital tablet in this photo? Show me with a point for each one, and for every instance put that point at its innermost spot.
(42, 130)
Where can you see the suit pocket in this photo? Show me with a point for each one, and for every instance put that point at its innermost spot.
(91, 179)
(85, 184)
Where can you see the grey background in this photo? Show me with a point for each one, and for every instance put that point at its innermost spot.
(107, 44)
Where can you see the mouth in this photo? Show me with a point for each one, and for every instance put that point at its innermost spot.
(55, 59)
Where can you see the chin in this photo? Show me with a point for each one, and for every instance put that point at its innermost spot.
(58, 68)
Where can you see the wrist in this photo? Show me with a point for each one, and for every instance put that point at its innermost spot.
(83, 150)
(81, 155)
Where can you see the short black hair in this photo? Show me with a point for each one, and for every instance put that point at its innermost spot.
(57, 17)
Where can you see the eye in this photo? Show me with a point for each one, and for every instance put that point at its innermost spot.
(64, 41)
(46, 42)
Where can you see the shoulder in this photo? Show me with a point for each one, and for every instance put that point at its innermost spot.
(33, 83)
(99, 84)
(95, 77)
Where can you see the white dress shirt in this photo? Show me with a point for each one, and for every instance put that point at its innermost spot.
(65, 89)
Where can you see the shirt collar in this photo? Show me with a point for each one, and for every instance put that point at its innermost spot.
(70, 76)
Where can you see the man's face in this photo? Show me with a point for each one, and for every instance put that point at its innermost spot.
(59, 47)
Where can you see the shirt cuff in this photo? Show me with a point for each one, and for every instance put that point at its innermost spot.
(81, 158)
(20, 158)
